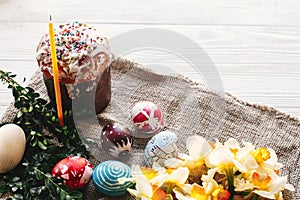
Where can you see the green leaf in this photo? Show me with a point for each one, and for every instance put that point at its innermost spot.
(62, 194)
(41, 145)
(30, 109)
(31, 178)
(18, 196)
(76, 194)
(20, 113)
(15, 179)
(34, 143)
(14, 188)
(32, 132)
(24, 110)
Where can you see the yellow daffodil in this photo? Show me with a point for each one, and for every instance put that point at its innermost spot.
(143, 189)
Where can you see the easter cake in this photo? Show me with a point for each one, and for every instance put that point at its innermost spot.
(83, 59)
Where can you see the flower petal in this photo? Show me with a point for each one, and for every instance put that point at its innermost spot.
(159, 180)
(181, 196)
(133, 192)
(219, 156)
(242, 185)
(278, 184)
(249, 162)
(232, 143)
(179, 175)
(289, 187)
(265, 194)
(143, 186)
(198, 147)
(273, 163)
(239, 166)
(173, 163)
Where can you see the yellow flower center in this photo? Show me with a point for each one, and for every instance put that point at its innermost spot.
(220, 194)
(149, 173)
(261, 154)
(158, 193)
(198, 193)
(261, 182)
(234, 151)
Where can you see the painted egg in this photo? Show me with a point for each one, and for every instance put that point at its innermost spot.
(161, 147)
(117, 140)
(75, 170)
(147, 117)
(106, 178)
(12, 146)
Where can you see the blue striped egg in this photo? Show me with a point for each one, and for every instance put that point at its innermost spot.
(106, 175)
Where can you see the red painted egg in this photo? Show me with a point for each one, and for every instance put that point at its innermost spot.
(117, 140)
(75, 170)
(147, 117)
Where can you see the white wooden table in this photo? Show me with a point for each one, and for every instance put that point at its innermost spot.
(255, 45)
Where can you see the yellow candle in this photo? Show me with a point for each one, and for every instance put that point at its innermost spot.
(55, 74)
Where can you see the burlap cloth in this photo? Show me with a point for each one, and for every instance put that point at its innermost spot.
(189, 108)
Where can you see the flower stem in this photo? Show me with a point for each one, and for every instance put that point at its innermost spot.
(230, 180)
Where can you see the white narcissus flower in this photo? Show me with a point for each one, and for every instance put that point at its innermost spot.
(209, 184)
(177, 177)
(143, 188)
(272, 162)
(190, 192)
(232, 143)
(242, 185)
(198, 149)
(222, 158)
(245, 157)
(272, 188)
(209, 189)
(258, 169)
(175, 162)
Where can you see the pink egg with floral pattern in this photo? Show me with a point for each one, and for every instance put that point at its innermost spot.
(75, 170)
(147, 117)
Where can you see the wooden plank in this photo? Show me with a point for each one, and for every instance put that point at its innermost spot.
(231, 12)
(222, 43)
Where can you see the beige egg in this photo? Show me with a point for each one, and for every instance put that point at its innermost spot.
(12, 146)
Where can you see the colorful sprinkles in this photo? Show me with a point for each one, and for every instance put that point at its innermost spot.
(75, 43)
